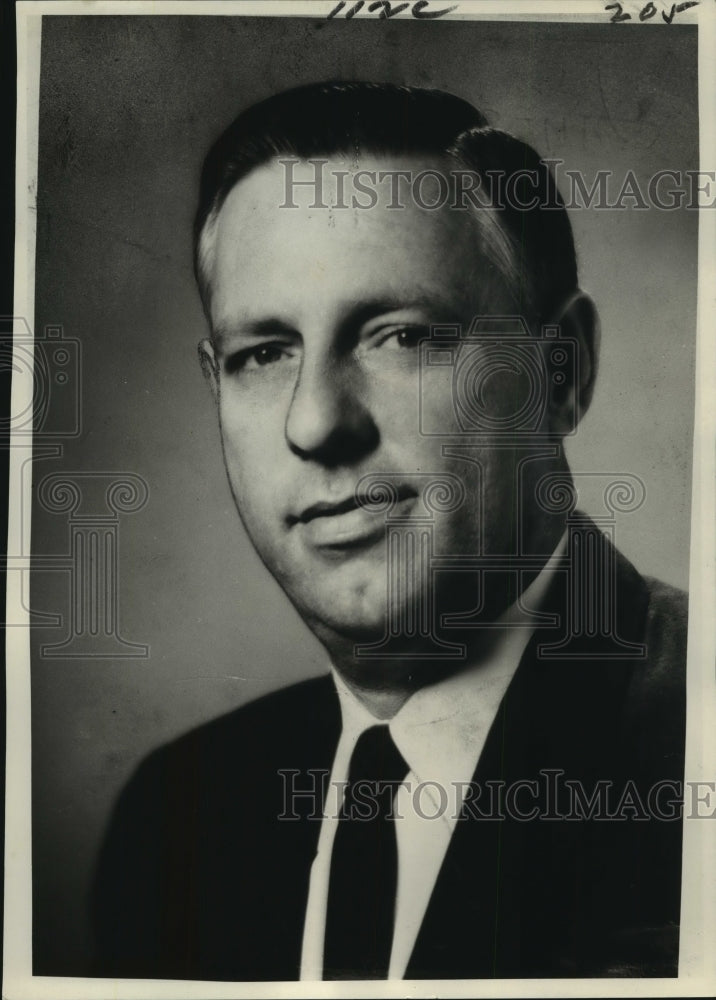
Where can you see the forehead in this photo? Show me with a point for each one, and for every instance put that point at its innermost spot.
(326, 252)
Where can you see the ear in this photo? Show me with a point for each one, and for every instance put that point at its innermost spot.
(209, 366)
(578, 320)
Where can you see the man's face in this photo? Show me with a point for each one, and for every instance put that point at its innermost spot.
(317, 315)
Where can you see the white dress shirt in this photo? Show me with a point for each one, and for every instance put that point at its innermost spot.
(440, 731)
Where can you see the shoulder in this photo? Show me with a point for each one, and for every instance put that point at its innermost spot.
(290, 706)
(189, 827)
(667, 618)
(665, 635)
(197, 781)
(655, 709)
(255, 733)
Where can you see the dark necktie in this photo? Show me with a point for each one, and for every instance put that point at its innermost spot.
(364, 863)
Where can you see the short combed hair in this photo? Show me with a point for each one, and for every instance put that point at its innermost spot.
(350, 118)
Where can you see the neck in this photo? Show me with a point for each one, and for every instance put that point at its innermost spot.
(383, 704)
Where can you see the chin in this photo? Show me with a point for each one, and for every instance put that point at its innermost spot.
(346, 599)
(355, 614)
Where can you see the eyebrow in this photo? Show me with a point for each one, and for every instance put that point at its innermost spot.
(434, 306)
(438, 307)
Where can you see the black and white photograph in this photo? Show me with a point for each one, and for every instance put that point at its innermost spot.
(360, 563)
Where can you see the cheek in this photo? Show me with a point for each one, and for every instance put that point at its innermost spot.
(415, 417)
(505, 393)
(486, 518)
(483, 389)
(501, 501)
(434, 411)
(252, 442)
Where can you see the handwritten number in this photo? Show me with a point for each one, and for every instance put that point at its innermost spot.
(618, 14)
(648, 11)
(420, 12)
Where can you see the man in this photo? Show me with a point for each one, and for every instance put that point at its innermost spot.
(464, 795)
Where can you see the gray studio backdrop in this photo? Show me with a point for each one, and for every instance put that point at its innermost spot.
(128, 108)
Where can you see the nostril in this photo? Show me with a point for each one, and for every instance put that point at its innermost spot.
(338, 433)
(328, 420)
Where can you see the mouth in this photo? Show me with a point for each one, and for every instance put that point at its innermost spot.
(350, 522)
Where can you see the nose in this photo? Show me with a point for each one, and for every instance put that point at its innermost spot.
(328, 420)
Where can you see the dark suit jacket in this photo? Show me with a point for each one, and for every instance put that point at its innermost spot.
(199, 880)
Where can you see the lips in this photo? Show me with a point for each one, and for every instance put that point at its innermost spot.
(349, 522)
(325, 508)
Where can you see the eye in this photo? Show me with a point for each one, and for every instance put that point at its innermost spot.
(267, 354)
(253, 358)
(405, 336)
